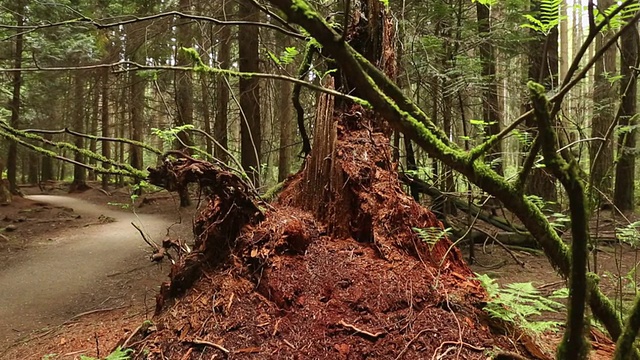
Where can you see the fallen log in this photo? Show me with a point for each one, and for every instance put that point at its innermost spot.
(471, 209)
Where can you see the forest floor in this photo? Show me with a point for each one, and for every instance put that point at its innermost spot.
(77, 280)
(73, 269)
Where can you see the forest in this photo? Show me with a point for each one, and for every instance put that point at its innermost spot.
(347, 163)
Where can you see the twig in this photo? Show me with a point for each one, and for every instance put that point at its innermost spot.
(411, 342)
(513, 255)
(75, 352)
(208, 343)
(360, 331)
(289, 344)
(75, 317)
(144, 237)
(126, 342)
(5, 238)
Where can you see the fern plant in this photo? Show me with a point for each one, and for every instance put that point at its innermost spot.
(118, 354)
(516, 303)
(431, 235)
(547, 18)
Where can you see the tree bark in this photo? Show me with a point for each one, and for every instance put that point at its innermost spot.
(601, 151)
(222, 88)
(14, 104)
(184, 79)
(543, 69)
(106, 126)
(623, 196)
(79, 173)
(285, 115)
(490, 104)
(250, 131)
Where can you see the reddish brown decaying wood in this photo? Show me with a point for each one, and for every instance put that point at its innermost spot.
(338, 248)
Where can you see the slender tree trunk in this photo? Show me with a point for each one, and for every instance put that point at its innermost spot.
(46, 166)
(623, 196)
(206, 110)
(14, 104)
(604, 98)
(285, 114)
(184, 79)
(5, 194)
(250, 132)
(490, 104)
(184, 88)
(104, 119)
(222, 89)
(543, 68)
(93, 121)
(136, 85)
(79, 172)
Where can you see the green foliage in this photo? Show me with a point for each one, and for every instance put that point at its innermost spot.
(516, 303)
(168, 136)
(546, 19)
(287, 56)
(118, 354)
(559, 221)
(431, 235)
(629, 234)
(620, 19)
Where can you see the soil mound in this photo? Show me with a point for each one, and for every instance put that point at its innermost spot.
(346, 277)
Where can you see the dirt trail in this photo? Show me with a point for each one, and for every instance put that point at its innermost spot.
(79, 270)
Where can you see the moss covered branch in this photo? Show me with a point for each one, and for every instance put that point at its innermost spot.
(574, 345)
(20, 136)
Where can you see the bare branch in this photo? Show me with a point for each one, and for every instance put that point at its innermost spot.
(129, 19)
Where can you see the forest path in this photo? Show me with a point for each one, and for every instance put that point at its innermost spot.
(79, 270)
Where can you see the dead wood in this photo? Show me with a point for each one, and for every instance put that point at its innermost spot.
(231, 206)
(464, 206)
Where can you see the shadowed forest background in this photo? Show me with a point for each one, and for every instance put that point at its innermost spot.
(406, 130)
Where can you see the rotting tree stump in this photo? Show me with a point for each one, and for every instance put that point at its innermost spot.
(334, 269)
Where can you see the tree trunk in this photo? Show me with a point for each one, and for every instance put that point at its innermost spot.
(601, 152)
(250, 132)
(222, 88)
(93, 121)
(5, 194)
(104, 119)
(184, 79)
(14, 104)
(79, 183)
(623, 196)
(543, 68)
(285, 114)
(490, 105)
(46, 169)
(206, 110)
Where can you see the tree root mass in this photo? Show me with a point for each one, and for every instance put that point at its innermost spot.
(349, 281)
